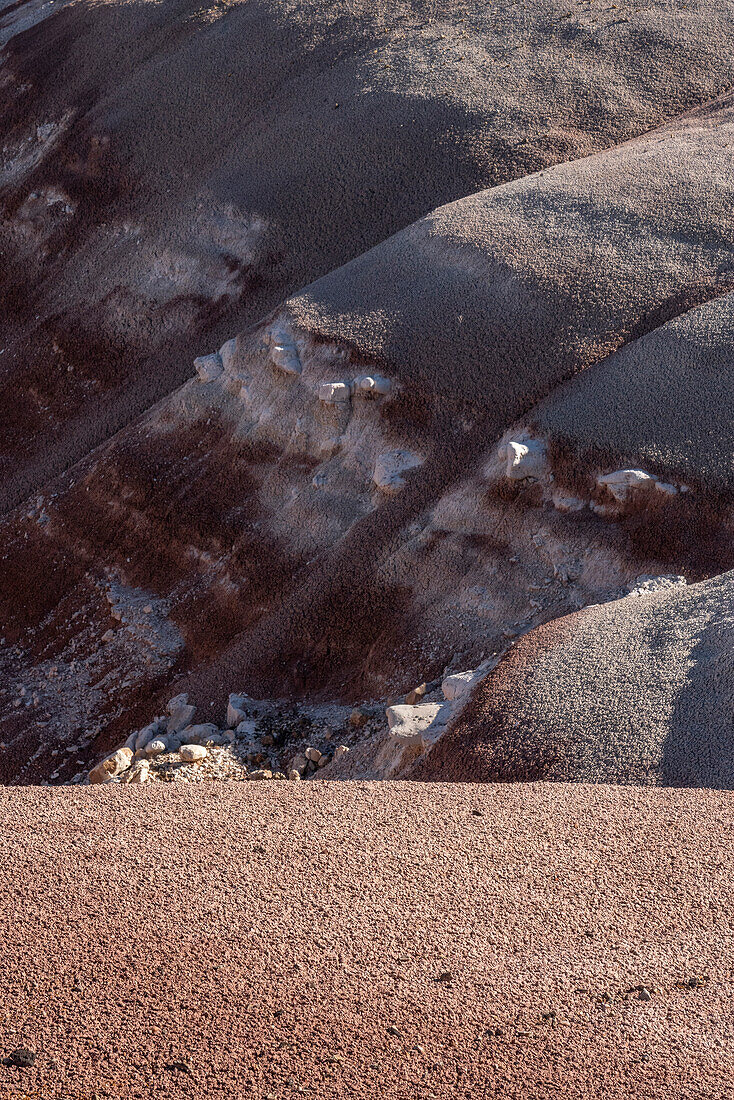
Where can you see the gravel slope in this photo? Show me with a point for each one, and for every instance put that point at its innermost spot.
(665, 401)
(268, 938)
(173, 171)
(640, 690)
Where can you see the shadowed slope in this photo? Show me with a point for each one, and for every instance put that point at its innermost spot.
(248, 506)
(640, 690)
(665, 401)
(171, 171)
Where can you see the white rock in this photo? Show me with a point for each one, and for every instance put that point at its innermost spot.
(419, 725)
(237, 709)
(155, 747)
(284, 352)
(647, 583)
(372, 384)
(261, 773)
(390, 467)
(140, 773)
(621, 482)
(331, 393)
(111, 766)
(667, 488)
(313, 754)
(192, 754)
(209, 367)
(526, 458)
(294, 775)
(459, 684)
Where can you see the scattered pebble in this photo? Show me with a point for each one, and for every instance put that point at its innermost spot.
(20, 1058)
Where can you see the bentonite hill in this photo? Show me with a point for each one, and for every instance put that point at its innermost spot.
(367, 380)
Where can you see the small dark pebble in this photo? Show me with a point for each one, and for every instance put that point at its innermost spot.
(444, 976)
(180, 1066)
(477, 813)
(392, 1030)
(20, 1058)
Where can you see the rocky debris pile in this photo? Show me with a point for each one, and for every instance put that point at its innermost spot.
(263, 740)
(258, 740)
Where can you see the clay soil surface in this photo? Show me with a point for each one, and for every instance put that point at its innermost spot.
(355, 940)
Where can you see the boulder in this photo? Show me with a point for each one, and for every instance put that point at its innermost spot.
(227, 354)
(620, 483)
(331, 393)
(209, 367)
(420, 725)
(459, 684)
(111, 766)
(155, 747)
(144, 736)
(200, 734)
(237, 709)
(526, 458)
(372, 384)
(284, 352)
(192, 754)
(180, 718)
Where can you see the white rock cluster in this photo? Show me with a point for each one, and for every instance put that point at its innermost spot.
(332, 393)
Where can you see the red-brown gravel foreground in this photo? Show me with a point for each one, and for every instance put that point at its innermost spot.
(367, 940)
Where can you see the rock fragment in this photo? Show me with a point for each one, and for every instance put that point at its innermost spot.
(390, 468)
(420, 725)
(416, 694)
(620, 483)
(208, 367)
(192, 754)
(459, 684)
(284, 352)
(332, 393)
(526, 458)
(237, 709)
(111, 766)
(372, 384)
(200, 734)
